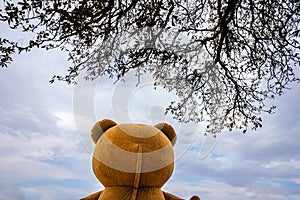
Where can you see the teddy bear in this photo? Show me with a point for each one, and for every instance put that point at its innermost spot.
(133, 161)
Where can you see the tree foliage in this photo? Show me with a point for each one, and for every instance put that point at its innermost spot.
(223, 58)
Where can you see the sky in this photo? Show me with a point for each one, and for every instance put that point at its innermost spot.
(45, 148)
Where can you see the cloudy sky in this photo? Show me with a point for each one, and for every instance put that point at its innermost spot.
(45, 149)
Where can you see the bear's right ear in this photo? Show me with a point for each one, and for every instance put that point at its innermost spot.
(100, 127)
(168, 131)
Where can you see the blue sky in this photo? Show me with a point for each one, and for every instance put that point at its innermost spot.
(45, 149)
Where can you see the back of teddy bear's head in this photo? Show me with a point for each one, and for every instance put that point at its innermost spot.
(133, 154)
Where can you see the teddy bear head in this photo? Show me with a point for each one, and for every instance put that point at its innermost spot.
(133, 155)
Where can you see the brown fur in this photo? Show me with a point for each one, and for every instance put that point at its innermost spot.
(133, 161)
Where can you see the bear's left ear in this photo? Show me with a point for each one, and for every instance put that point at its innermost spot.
(100, 127)
(168, 131)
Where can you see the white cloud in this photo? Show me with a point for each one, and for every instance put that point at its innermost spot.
(65, 120)
(38, 149)
(291, 164)
(208, 189)
(11, 192)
